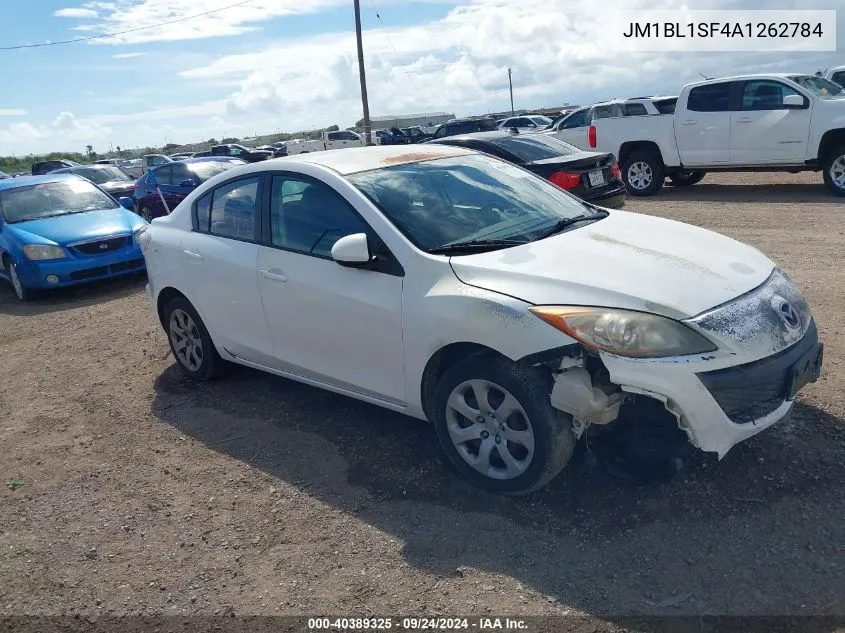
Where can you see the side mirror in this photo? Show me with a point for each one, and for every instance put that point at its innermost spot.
(127, 203)
(532, 125)
(351, 250)
(188, 182)
(793, 101)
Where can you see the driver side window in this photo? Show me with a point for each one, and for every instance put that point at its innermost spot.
(308, 217)
(577, 119)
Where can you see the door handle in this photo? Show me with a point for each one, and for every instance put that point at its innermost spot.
(274, 275)
(689, 122)
(744, 120)
(193, 255)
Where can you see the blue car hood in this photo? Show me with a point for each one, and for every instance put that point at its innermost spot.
(75, 227)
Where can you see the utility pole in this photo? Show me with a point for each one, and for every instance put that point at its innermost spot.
(367, 125)
(510, 83)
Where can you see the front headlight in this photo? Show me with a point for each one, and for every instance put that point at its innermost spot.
(42, 251)
(625, 332)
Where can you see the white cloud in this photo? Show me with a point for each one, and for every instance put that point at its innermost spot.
(12, 112)
(128, 55)
(79, 12)
(457, 63)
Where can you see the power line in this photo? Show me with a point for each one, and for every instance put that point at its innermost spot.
(390, 41)
(135, 30)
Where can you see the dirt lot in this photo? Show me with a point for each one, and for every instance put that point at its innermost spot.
(146, 494)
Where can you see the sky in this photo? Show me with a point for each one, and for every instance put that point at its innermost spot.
(288, 65)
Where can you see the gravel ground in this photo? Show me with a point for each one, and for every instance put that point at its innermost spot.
(146, 494)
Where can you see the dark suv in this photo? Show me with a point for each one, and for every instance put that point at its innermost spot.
(239, 151)
(465, 126)
(46, 166)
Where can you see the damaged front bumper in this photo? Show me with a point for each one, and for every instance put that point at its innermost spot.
(765, 355)
(718, 408)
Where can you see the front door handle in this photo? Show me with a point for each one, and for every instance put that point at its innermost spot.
(274, 275)
(193, 255)
(689, 122)
(744, 120)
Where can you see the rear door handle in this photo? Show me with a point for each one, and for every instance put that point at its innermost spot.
(193, 255)
(744, 120)
(689, 122)
(274, 275)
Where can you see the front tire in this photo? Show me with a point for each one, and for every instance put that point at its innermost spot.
(190, 341)
(23, 293)
(686, 178)
(643, 173)
(834, 171)
(496, 424)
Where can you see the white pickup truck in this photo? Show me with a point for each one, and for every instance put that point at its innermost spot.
(773, 122)
(330, 140)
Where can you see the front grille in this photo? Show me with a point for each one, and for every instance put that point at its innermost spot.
(750, 391)
(129, 265)
(102, 271)
(101, 247)
(89, 273)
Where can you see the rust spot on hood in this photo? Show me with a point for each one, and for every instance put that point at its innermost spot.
(414, 157)
(672, 259)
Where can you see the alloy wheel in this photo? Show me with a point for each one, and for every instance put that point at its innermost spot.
(640, 175)
(186, 340)
(489, 429)
(837, 172)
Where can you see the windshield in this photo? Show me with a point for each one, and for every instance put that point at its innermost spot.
(50, 199)
(822, 88)
(207, 169)
(531, 147)
(475, 197)
(99, 175)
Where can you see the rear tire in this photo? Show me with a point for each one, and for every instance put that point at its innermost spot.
(643, 173)
(834, 171)
(686, 178)
(496, 424)
(190, 341)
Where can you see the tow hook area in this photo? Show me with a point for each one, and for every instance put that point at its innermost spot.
(575, 393)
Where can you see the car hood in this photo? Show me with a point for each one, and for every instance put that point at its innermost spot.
(627, 261)
(76, 227)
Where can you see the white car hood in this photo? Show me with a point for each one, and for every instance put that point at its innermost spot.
(626, 260)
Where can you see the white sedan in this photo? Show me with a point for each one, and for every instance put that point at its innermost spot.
(457, 288)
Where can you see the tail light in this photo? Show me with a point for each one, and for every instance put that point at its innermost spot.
(615, 172)
(565, 180)
(591, 136)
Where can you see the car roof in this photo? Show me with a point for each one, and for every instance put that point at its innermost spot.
(25, 181)
(352, 160)
(748, 77)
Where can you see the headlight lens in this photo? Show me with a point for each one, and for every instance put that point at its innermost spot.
(625, 332)
(42, 251)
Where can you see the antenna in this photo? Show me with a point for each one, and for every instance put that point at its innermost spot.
(705, 76)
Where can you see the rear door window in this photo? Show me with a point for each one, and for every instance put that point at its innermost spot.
(710, 98)
(234, 209)
(633, 109)
(164, 175)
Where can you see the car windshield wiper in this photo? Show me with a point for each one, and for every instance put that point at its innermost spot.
(474, 245)
(561, 225)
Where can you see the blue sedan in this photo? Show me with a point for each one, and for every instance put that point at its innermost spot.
(62, 230)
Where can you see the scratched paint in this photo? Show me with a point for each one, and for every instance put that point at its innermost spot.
(753, 322)
(669, 258)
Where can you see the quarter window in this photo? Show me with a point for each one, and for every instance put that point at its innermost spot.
(765, 95)
(233, 209)
(839, 78)
(203, 209)
(710, 98)
(309, 217)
